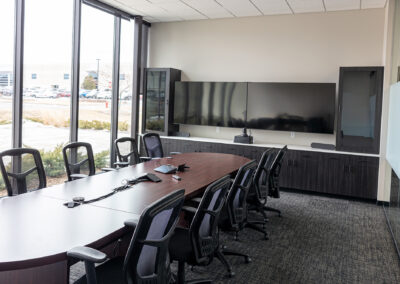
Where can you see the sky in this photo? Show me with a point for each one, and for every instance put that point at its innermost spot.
(48, 34)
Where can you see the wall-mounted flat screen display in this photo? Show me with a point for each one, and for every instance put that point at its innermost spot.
(210, 103)
(298, 107)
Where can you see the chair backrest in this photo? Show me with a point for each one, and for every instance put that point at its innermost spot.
(31, 165)
(204, 226)
(236, 204)
(153, 146)
(275, 172)
(147, 260)
(127, 151)
(85, 159)
(261, 176)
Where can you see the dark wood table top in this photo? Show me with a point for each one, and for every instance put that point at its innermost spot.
(37, 229)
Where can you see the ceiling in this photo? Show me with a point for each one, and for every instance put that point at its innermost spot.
(186, 10)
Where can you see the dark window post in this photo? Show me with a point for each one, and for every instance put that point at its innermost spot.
(76, 48)
(137, 61)
(18, 80)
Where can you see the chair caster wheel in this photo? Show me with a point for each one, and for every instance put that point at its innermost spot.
(231, 274)
(247, 259)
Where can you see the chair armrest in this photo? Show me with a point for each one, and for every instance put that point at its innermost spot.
(123, 164)
(196, 199)
(78, 176)
(189, 209)
(108, 169)
(87, 254)
(175, 153)
(132, 223)
(145, 159)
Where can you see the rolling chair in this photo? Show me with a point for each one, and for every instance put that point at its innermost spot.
(74, 169)
(20, 180)
(274, 190)
(127, 157)
(258, 193)
(153, 146)
(234, 215)
(147, 259)
(199, 244)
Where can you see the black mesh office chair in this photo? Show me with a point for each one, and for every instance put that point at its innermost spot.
(265, 180)
(274, 190)
(31, 176)
(234, 215)
(127, 152)
(85, 165)
(198, 244)
(147, 260)
(258, 193)
(153, 146)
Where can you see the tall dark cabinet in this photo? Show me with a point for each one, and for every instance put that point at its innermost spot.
(158, 100)
(359, 109)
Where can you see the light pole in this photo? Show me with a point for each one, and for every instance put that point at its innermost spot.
(97, 79)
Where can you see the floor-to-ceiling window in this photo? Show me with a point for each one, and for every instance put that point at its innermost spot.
(125, 78)
(96, 63)
(6, 77)
(46, 81)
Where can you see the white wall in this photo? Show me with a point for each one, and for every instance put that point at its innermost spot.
(285, 48)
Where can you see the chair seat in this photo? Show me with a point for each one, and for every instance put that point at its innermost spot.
(108, 272)
(180, 247)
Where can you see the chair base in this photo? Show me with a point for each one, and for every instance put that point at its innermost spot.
(267, 208)
(180, 279)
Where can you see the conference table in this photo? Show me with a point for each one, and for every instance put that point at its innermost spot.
(36, 229)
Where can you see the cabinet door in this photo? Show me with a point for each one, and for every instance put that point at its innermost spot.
(332, 173)
(364, 182)
(305, 171)
(285, 174)
(360, 104)
(156, 84)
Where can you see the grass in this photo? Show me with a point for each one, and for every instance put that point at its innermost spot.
(83, 124)
(4, 122)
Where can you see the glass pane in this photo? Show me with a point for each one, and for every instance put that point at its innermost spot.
(359, 103)
(6, 77)
(47, 59)
(155, 100)
(125, 79)
(97, 37)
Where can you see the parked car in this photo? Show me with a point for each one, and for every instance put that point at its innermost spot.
(126, 95)
(105, 94)
(62, 93)
(83, 93)
(47, 94)
(92, 94)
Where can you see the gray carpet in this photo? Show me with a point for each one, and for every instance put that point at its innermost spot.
(318, 240)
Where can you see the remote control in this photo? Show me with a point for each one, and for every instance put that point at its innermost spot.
(176, 177)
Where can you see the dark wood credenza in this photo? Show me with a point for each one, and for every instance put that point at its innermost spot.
(331, 172)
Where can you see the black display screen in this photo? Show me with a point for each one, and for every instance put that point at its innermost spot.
(210, 103)
(299, 107)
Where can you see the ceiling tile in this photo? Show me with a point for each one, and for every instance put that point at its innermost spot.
(306, 6)
(210, 8)
(181, 10)
(366, 4)
(338, 5)
(272, 7)
(240, 8)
